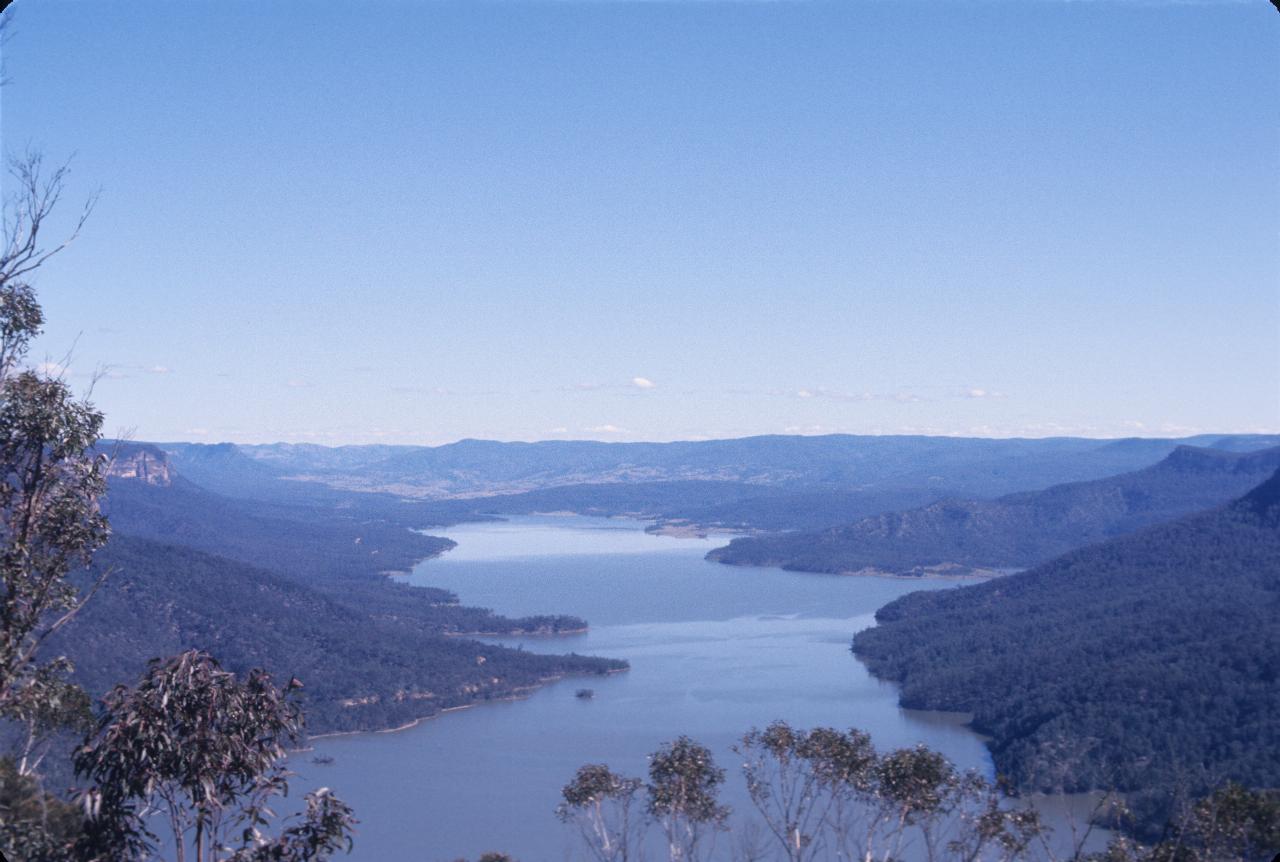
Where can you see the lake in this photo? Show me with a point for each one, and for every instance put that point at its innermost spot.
(714, 650)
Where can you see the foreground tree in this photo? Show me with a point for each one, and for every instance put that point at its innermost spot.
(684, 782)
(824, 794)
(1232, 823)
(34, 825)
(205, 750)
(787, 787)
(50, 524)
(190, 740)
(601, 804)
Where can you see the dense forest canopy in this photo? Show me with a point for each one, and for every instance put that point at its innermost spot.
(1147, 663)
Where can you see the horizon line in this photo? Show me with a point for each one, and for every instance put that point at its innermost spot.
(460, 440)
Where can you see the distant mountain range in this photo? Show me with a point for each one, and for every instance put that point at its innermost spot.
(1017, 530)
(1147, 663)
(984, 467)
(756, 483)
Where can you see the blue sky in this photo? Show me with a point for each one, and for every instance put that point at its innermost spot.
(416, 222)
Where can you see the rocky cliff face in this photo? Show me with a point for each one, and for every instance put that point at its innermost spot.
(142, 463)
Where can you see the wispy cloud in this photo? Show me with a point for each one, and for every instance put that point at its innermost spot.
(605, 429)
(810, 429)
(979, 392)
(821, 392)
(643, 383)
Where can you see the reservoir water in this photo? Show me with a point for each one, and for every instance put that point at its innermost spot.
(714, 650)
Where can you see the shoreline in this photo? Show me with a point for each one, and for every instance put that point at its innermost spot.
(520, 634)
(517, 694)
(692, 531)
(961, 573)
(409, 725)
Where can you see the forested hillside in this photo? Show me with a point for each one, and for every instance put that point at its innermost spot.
(1017, 530)
(309, 541)
(297, 585)
(1148, 663)
(362, 667)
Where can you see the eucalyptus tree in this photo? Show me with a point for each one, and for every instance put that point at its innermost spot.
(50, 523)
(844, 764)
(204, 750)
(684, 783)
(787, 787)
(602, 806)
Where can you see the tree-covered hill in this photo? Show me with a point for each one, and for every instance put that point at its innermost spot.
(296, 585)
(1017, 530)
(1147, 663)
(307, 540)
(363, 668)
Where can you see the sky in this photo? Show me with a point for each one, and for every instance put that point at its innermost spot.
(404, 222)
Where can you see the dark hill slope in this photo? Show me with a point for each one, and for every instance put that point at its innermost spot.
(1146, 663)
(363, 668)
(1016, 530)
(311, 542)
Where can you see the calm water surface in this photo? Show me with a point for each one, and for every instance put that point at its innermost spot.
(714, 650)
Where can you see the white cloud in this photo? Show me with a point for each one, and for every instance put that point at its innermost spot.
(560, 430)
(158, 369)
(643, 383)
(605, 429)
(814, 392)
(810, 429)
(297, 384)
